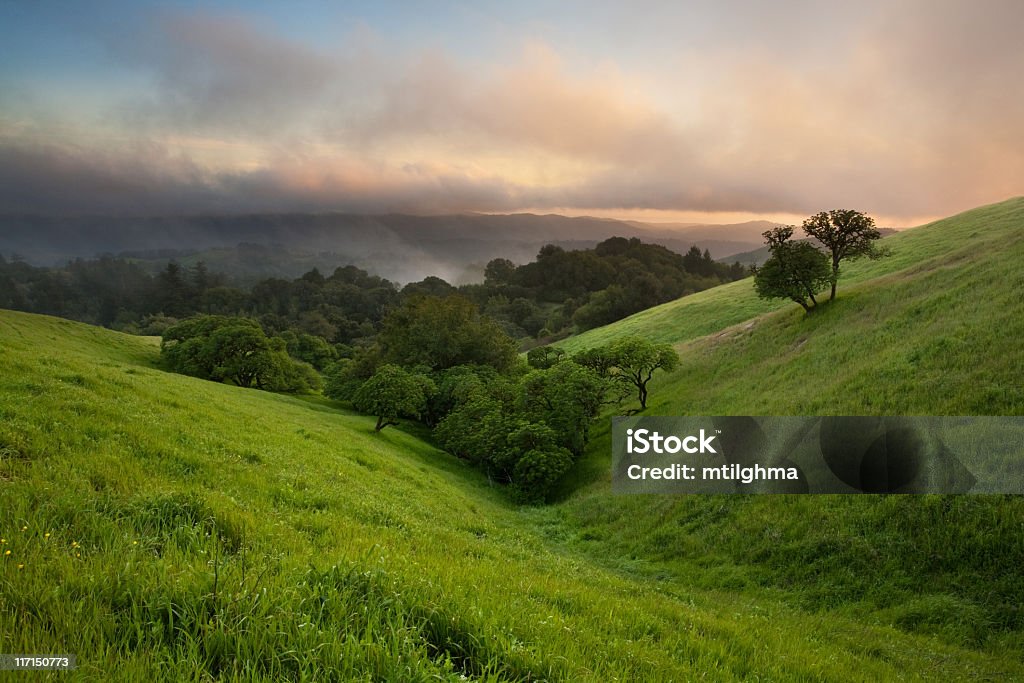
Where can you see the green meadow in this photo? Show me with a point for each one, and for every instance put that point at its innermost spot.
(161, 527)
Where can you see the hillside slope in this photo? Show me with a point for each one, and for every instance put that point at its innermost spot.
(986, 229)
(165, 528)
(935, 329)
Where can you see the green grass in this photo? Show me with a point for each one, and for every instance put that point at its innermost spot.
(936, 329)
(984, 229)
(175, 529)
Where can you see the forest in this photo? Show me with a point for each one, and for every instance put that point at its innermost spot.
(560, 292)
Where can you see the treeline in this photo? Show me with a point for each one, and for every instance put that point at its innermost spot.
(113, 292)
(561, 291)
(565, 290)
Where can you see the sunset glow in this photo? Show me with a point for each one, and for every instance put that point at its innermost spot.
(710, 112)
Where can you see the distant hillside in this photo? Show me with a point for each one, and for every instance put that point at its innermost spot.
(399, 247)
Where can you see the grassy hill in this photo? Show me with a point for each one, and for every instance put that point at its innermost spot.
(934, 329)
(166, 528)
(942, 244)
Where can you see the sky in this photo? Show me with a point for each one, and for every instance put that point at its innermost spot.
(702, 111)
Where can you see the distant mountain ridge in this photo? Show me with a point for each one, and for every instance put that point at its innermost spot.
(397, 246)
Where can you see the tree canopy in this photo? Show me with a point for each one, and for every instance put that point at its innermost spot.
(236, 350)
(845, 234)
(794, 271)
(635, 359)
(392, 393)
(442, 332)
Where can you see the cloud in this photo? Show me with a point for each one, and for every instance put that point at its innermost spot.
(223, 74)
(152, 181)
(903, 109)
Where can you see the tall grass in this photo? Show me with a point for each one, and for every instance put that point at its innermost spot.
(166, 528)
(935, 329)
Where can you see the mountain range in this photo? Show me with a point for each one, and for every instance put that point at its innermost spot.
(401, 247)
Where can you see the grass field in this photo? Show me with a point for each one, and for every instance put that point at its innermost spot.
(167, 528)
(935, 329)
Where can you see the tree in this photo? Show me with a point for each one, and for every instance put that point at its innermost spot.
(635, 359)
(239, 352)
(222, 348)
(795, 270)
(392, 392)
(310, 348)
(173, 292)
(566, 397)
(428, 286)
(441, 333)
(454, 387)
(537, 471)
(846, 234)
(543, 357)
(499, 271)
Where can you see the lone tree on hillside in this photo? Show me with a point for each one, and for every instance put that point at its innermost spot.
(845, 234)
(631, 359)
(794, 271)
(392, 392)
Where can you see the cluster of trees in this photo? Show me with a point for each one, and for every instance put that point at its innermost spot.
(105, 291)
(439, 360)
(236, 350)
(558, 292)
(342, 308)
(799, 269)
(347, 307)
(592, 287)
(431, 352)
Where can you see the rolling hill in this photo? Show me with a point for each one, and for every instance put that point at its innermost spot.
(934, 329)
(991, 232)
(167, 528)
